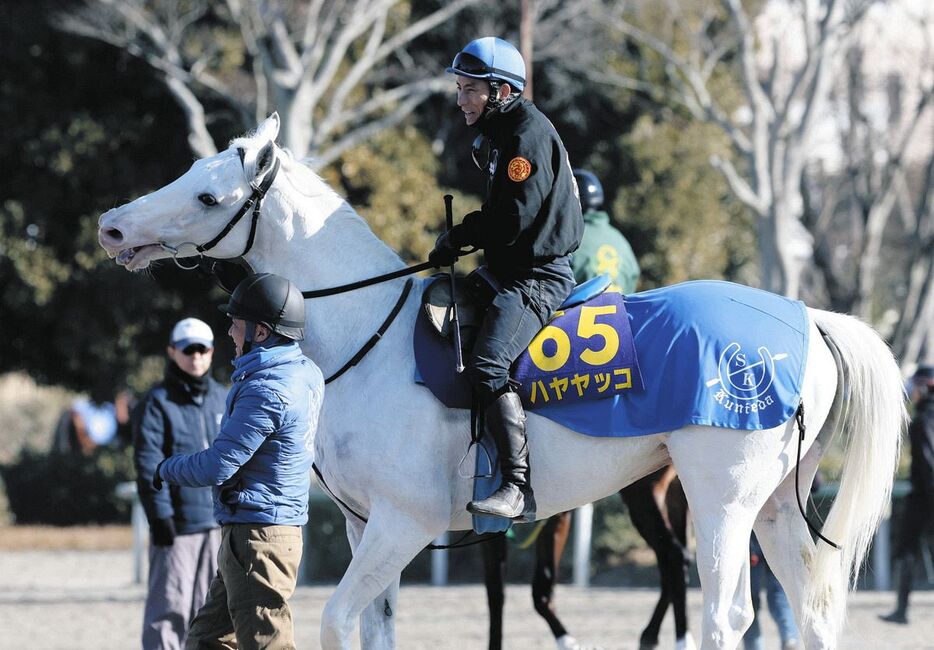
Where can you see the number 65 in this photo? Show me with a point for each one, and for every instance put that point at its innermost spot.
(587, 328)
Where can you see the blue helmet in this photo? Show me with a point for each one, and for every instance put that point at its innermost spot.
(490, 58)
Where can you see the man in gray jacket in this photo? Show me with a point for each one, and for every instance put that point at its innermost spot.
(179, 415)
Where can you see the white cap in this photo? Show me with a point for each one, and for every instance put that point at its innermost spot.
(190, 331)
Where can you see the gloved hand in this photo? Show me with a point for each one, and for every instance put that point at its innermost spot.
(445, 252)
(162, 532)
(156, 479)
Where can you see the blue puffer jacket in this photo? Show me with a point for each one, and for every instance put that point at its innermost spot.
(259, 464)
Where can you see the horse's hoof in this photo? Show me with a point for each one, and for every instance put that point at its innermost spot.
(647, 646)
(686, 643)
(568, 642)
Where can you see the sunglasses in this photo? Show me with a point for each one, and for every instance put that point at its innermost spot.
(190, 350)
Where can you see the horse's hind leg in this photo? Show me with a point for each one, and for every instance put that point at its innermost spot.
(494, 568)
(727, 477)
(387, 544)
(789, 547)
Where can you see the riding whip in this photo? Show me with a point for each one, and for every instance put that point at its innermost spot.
(455, 322)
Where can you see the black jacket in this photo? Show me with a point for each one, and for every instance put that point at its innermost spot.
(532, 213)
(173, 419)
(921, 433)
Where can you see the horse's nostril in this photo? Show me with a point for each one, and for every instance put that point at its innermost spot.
(113, 234)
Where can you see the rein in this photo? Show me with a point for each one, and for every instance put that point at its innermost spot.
(376, 337)
(344, 288)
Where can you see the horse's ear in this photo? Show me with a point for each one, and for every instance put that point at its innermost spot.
(264, 159)
(268, 129)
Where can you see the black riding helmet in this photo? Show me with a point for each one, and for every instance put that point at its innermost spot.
(590, 189)
(271, 300)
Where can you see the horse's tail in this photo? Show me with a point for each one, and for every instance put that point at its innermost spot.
(872, 399)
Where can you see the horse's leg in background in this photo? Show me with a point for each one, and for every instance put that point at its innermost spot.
(494, 570)
(549, 547)
(727, 475)
(647, 502)
(650, 524)
(388, 543)
(676, 504)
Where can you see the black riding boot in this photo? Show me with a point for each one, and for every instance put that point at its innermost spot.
(505, 420)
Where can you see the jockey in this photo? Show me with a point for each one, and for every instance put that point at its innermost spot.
(528, 226)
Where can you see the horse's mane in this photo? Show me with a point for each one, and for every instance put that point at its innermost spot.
(306, 182)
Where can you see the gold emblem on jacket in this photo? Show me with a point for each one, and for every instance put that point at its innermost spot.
(519, 169)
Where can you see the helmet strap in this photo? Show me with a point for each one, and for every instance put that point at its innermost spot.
(493, 102)
(248, 334)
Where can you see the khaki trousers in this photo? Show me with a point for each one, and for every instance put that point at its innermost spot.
(247, 605)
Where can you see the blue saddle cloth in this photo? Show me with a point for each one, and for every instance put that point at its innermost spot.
(710, 352)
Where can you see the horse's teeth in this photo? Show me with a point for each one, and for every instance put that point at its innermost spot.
(125, 255)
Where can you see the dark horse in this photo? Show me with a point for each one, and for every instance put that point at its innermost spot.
(659, 512)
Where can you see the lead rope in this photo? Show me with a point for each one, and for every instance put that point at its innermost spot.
(799, 418)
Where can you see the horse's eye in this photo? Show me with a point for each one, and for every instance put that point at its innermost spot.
(207, 199)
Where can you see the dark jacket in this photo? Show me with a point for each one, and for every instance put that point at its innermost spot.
(532, 213)
(174, 419)
(921, 433)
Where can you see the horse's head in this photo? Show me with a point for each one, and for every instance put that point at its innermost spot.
(195, 208)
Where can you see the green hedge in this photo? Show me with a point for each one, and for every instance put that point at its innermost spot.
(64, 489)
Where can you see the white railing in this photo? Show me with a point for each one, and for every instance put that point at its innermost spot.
(583, 531)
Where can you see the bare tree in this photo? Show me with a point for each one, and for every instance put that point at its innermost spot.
(785, 91)
(338, 71)
(851, 210)
(914, 336)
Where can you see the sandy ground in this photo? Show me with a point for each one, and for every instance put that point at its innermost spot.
(69, 600)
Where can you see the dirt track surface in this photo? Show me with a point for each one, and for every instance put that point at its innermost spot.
(70, 600)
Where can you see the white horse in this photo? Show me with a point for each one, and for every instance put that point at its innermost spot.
(391, 452)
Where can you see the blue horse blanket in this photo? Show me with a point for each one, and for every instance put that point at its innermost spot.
(710, 352)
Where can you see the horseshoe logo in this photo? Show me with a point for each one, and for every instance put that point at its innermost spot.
(742, 378)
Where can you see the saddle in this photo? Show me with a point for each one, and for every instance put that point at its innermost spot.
(473, 295)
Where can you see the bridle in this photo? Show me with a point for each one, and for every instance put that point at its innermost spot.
(254, 201)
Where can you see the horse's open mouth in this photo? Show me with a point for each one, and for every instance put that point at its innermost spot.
(137, 256)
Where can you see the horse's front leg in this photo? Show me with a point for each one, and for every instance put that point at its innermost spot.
(369, 588)
(376, 620)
